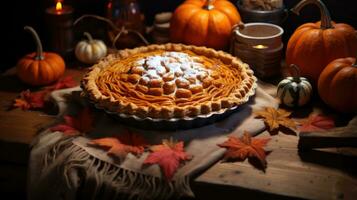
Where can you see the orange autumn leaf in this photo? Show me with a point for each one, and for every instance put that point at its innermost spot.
(28, 100)
(121, 145)
(239, 149)
(317, 122)
(277, 119)
(73, 125)
(168, 156)
(65, 82)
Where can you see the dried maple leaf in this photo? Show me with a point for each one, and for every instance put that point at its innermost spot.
(317, 122)
(28, 100)
(82, 123)
(238, 149)
(277, 119)
(121, 145)
(65, 82)
(168, 156)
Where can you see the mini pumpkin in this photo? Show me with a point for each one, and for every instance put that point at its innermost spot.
(91, 50)
(337, 85)
(204, 23)
(313, 45)
(294, 90)
(40, 68)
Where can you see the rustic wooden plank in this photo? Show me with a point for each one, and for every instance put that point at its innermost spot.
(282, 182)
(337, 137)
(17, 125)
(311, 175)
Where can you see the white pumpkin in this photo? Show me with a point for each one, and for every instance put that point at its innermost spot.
(294, 91)
(90, 51)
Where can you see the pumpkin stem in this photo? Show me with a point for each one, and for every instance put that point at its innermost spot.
(89, 36)
(325, 14)
(39, 52)
(296, 72)
(208, 5)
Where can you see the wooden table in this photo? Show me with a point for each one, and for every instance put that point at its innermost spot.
(328, 174)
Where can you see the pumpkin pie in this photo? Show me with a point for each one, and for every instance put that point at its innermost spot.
(169, 81)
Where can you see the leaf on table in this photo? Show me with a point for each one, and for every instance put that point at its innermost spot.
(238, 149)
(28, 100)
(121, 145)
(277, 120)
(73, 125)
(65, 82)
(168, 156)
(317, 122)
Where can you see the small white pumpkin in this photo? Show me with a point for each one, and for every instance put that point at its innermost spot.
(294, 90)
(90, 51)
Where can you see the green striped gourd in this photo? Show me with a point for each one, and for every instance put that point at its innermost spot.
(294, 90)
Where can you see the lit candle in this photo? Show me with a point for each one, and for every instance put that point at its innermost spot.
(260, 46)
(59, 22)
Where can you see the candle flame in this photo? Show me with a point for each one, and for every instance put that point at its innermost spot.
(58, 6)
(260, 46)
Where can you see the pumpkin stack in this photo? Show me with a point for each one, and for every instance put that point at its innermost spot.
(161, 29)
(325, 51)
(313, 45)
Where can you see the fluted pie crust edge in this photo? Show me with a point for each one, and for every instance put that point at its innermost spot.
(237, 97)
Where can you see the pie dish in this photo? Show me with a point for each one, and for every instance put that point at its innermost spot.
(171, 81)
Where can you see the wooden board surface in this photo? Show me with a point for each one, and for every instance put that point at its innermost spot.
(17, 125)
(310, 175)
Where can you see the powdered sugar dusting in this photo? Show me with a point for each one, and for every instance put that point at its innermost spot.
(183, 66)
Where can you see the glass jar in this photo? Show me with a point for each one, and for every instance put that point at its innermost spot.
(126, 13)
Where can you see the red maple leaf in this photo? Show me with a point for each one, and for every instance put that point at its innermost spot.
(238, 149)
(73, 125)
(65, 82)
(317, 122)
(121, 145)
(168, 156)
(28, 100)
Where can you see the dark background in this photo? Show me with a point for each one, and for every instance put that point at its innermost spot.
(16, 14)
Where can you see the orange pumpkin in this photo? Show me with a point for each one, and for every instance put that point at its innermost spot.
(204, 23)
(314, 45)
(337, 85)
(40, 68)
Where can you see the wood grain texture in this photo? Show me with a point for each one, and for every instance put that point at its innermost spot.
(337, 137)
(312, 175)
(17, 125)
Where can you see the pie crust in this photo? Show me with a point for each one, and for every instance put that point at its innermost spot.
(169, 81)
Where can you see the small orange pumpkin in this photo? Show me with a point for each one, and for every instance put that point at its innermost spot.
(313, 45)
(337, 85)
(40, 68)
(204, 23)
